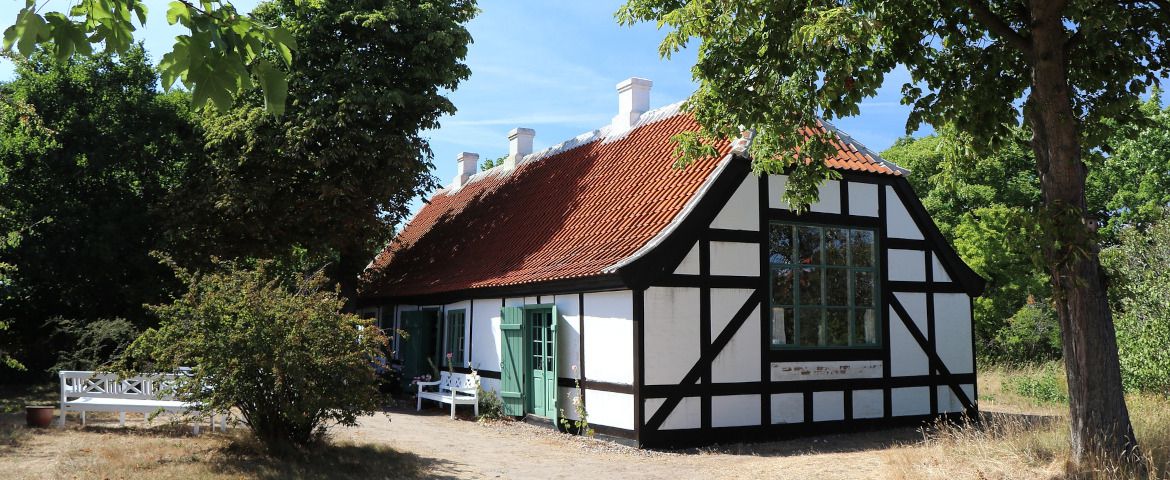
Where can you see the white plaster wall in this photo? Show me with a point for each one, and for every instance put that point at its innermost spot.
(485, 340)
(741, 212)
(685, 415)
(952, 324)
(609, 408)
(535, 300)
(690, 263)
(863, 199)
(740, 359)
(490, 384)
(568, 335)
(787, 408)
(609, 337)
(910, 401)
(906, 356)
(735, 258)
(915, 305)
(829, 191)
(899, 224)
(907, 266)
(828, 370)
(724, 303)
(830, 198)
(828, 406)
(939, 272)
(735, 410)
(515, 302)
(868, 403)
(947, 400)
(776, 186)
(672, 334)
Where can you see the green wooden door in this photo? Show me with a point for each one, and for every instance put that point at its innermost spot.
(512, 360)
(418, 345)
(543, 367)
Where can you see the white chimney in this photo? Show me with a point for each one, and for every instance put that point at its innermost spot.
(519, 145)
(467, 163)
(633, 101)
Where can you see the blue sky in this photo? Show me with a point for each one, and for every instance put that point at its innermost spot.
(550, 66)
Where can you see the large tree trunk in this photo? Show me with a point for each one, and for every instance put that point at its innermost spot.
(1100, 425)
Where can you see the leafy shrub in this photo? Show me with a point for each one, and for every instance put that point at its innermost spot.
(1044, 385)
(1140, 291)
(490, 405)
(283, 355)
(92, 345)
(1032, 335)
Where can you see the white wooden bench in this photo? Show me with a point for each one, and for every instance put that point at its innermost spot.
(107, 392)
(460, 390)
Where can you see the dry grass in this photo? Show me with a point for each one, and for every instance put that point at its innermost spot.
(168, 451)
(1020, 437)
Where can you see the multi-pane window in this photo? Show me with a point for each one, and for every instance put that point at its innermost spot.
(456, 333)
(824, 286)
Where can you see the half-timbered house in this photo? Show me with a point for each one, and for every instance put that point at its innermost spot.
(692, 305)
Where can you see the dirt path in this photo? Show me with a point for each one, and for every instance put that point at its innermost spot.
(465, 449)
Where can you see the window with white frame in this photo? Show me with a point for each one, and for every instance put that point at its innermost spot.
(824, 286)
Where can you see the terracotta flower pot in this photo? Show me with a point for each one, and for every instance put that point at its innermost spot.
(38, 416)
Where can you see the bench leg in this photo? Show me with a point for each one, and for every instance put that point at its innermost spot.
(223, 422)
(452, 410)
(61, 420)
(419, 406)
(476, 408)
(195, 428)
(121, 419)
(83, 418)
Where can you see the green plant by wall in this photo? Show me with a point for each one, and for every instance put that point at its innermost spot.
(490, 405)
(581, 424)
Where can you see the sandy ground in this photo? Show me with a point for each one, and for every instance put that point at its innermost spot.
(466, 449)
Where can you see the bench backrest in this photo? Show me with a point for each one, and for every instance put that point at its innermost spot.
(459, 381)
(159, 386)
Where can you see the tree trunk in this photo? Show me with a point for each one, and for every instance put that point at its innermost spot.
(1100, 425)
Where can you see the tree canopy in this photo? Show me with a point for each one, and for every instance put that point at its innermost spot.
(333, 174)
(218, 59)
(88, 155)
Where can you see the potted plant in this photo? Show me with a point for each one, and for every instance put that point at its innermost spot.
(39, 416)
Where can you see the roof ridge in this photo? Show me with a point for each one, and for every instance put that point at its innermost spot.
(862, 148)
(605, 133)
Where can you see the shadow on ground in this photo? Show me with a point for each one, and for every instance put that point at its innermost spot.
(342, 460)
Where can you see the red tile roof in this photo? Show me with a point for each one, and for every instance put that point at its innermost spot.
(569, 214)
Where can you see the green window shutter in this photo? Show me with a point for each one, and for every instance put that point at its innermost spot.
(512, 370)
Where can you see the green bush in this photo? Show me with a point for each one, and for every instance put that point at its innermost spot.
(1030, 336)
(1044, 385)
(284, 356)
(1140, 292)
(93, 344)
(490, 405)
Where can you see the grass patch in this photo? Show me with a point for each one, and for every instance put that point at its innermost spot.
(1024, 433)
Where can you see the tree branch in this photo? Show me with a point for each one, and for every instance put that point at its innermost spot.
(998, 26)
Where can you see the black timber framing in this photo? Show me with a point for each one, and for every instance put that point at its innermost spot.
(697, 384)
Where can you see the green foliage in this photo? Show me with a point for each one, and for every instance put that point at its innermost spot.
(1045, 384)
(340, 167)
(91, 345)
(579, 426)
(1141, 287)
(89, 152)
(490, 164)
(490, 405)
(1031, 335)
(282, 354)
(217, 59)
(1131, 185)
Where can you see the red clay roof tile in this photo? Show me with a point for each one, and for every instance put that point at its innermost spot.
(566, 215)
